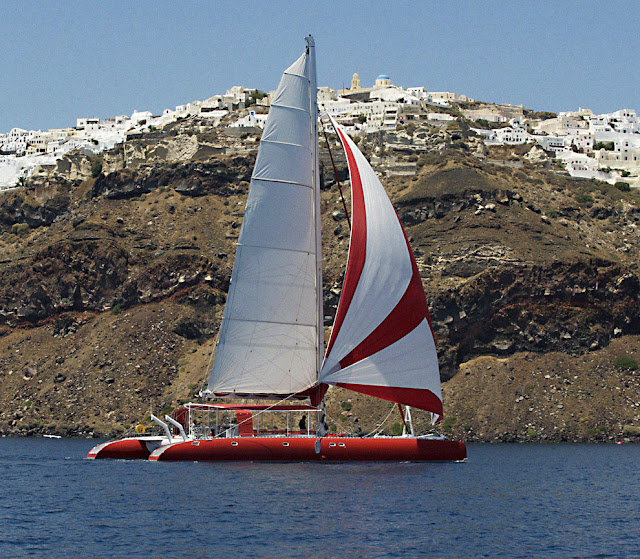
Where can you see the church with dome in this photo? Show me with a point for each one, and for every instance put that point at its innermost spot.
(356, 91)
(382, 81)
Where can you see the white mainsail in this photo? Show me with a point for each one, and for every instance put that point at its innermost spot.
(381, 343)
(271, 332)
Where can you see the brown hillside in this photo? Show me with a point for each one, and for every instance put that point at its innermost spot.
(112, 287)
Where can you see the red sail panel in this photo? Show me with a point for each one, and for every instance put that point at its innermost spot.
(357, 245)
(418, 398)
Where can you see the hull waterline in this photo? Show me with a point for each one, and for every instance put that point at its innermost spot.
(307, 449)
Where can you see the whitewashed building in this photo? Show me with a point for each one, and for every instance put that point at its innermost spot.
(441, 117)
(419, 92)
(628, 160)
(555, 144)
(508, 135)
(252, 120)
(394, 94)
(336, 107)
(326, 95)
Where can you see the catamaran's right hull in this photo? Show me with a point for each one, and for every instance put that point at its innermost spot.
(297, 449)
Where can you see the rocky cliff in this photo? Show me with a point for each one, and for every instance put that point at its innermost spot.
(114, 273)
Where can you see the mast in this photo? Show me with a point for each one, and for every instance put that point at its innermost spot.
(313, 110)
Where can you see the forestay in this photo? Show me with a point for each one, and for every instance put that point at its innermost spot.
(382, 342)
(269, 337)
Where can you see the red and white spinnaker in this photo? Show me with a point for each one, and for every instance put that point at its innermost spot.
(382, 342)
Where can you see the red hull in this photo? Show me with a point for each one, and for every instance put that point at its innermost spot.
(125, 449)
(296, 449)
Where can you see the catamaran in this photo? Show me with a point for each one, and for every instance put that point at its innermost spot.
(271, 342)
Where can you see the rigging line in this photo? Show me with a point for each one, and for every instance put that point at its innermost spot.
(335, 172)
(210, 366)
(381, 425)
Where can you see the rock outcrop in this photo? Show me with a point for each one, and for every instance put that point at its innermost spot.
(223, 175)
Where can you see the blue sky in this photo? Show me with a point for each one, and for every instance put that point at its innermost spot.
(64, 59)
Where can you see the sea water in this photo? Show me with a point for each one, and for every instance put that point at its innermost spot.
(507, 500)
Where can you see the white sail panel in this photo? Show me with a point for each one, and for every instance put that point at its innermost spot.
(288, 163)
(268, 341)
(277, 287)
(387, 267)
(287, 125)
(268, 231)
(264, 358)
(294, 85)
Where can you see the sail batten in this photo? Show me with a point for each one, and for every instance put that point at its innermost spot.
(382, 342)
(277, 247)
(268, 341)
(281, 106)
(281, 181)
(281, 143)
(271, 322)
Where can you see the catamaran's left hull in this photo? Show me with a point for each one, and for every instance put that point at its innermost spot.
(127, 449)
(304, 449)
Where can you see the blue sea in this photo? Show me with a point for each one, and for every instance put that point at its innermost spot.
(507, 500)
